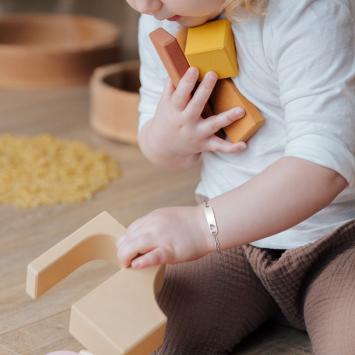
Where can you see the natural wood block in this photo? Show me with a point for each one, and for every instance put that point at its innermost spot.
(226, 96)
(121, 315)
(211, 47)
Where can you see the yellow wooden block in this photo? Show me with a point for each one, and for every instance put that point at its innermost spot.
(211, 47)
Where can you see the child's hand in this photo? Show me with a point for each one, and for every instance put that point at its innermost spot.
(165, 236)
(178, 125)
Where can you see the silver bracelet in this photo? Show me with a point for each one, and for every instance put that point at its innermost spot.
(212, 224)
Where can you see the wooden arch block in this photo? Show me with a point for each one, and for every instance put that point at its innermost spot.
(121, 315)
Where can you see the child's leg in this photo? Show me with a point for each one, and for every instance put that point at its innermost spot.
(329, 307)
(211, 304)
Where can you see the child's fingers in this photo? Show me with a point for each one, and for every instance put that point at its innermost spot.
(132, 230)
(183, 92)
(216, 144)
(136, 225)
(213, 124)
(200, 98)
(168, 90)
(153, 258)
(131, 248)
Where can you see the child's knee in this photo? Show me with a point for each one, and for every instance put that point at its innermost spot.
(331, 329)
(339, 341)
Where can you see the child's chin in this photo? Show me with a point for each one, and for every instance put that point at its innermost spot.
(192, 21)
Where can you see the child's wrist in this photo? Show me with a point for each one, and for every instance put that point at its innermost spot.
(205, 232)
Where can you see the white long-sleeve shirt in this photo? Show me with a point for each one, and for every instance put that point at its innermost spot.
(297, 65)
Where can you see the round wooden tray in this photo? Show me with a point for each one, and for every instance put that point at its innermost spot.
(114, 101)
(53, 50)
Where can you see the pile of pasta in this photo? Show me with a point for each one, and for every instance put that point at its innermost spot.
(45, 170)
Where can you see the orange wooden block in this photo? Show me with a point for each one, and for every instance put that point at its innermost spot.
(226, 96)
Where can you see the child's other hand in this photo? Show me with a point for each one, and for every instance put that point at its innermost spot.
(165, 236)
(178, 124)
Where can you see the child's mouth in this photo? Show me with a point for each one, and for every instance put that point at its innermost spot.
(174, 18)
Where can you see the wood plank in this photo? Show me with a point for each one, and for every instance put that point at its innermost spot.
(47, 335)
(7, 351)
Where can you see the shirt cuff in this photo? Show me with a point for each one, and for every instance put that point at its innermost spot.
(324, 151)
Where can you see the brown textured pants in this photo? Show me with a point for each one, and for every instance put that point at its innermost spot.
(214, 302)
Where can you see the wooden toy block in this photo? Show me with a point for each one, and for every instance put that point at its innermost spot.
(181, 37)
(211, 47)
(121, 315)
(173, 58)
(171, 54)
(226, 96)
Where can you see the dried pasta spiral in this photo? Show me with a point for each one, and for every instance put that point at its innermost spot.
(45, 170)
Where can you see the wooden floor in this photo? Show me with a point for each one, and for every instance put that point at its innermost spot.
(37, 327)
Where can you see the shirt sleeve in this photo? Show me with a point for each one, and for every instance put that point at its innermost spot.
(152, 76)
(314, 53)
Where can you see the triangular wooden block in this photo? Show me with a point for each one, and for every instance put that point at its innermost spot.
(121, 315)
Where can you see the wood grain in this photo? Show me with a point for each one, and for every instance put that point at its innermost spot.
(37, 327)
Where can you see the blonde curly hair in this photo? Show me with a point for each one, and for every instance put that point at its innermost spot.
(256, 7)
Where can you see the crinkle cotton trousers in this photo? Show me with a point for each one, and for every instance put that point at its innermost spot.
(216, 301)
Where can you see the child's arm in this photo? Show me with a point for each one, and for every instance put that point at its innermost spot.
(284, 194)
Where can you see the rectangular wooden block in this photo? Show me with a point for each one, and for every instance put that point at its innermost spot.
(171, 54)
(226, 96)
(173, 58)
(211, 47)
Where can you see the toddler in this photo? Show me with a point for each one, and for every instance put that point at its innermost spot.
(283, 205)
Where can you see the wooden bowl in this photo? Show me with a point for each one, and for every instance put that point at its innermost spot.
(114, 101)
(53, 50)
